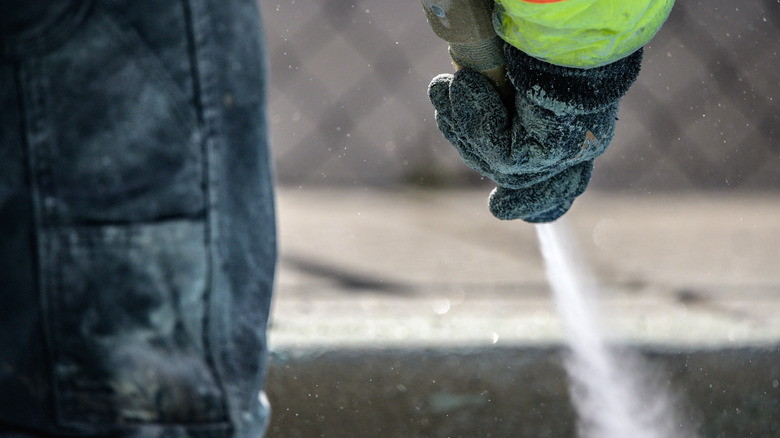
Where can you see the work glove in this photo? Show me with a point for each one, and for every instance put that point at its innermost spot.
(539, 149)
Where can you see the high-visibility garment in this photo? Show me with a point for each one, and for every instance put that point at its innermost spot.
(579, 33)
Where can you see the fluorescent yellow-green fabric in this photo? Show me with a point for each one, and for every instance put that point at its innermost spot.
(580, 33)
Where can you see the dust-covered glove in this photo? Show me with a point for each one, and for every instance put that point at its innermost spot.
(540, 152)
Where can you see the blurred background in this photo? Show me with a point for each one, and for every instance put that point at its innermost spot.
(404, 309)
(348, 99)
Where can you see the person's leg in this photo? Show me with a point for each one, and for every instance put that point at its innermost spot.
(137, 245)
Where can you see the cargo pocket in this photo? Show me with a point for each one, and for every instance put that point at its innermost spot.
(127, 307)
(118, 168)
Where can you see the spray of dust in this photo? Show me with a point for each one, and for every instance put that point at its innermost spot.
(615, 393)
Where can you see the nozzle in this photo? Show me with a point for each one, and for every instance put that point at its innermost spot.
(467, 25)
(461, 21)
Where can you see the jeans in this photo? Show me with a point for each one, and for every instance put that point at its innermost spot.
(137, 229)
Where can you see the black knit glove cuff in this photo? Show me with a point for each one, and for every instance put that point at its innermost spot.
(566, 90)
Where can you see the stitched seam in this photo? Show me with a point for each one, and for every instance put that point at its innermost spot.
(197, 45)
(28, 100)
(193, 60)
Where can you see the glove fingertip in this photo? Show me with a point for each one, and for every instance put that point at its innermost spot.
(439, 87)
(442, 78)
(502, 205)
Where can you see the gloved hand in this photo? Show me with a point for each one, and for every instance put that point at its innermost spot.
(540, 152)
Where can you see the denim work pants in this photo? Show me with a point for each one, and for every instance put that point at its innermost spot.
(137, 239)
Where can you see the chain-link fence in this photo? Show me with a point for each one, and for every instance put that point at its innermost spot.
(348, 100)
